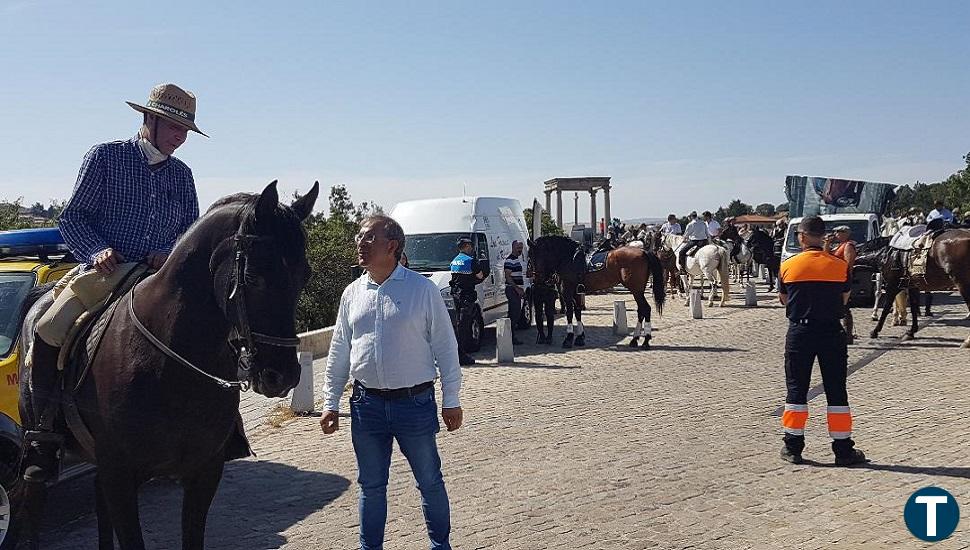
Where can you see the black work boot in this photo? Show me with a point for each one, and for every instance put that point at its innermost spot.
(43, 444)
(792, 450)
(846, 454)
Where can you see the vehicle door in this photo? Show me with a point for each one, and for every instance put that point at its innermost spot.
(487, 294)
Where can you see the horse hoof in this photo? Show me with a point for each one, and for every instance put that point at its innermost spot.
(580, 340)
(634, 342)
(965, 345)
(908, 336)
(875, 317)
(646, 344)
(568, 341)
(873, 335)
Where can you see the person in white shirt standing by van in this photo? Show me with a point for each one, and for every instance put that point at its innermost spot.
(515, 285)
(392, 330)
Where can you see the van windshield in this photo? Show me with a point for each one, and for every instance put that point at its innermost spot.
(859, 229)
(13, 290)
(432, 251)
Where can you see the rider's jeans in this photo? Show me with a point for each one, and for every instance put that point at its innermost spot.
(413, 422)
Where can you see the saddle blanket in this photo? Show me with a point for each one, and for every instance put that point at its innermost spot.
(596, 262)
(907, 236)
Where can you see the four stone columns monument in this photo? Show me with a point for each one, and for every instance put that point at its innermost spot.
(592, 185)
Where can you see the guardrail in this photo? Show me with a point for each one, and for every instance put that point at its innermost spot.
(316, 341)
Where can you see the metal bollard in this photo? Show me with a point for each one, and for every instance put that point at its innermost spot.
(619, 318)
(504, 352)
(696, 304)
(302, 400)
(750, 295)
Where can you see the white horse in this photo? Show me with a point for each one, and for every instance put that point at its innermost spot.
(711, 262)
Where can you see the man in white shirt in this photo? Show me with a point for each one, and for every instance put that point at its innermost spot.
(671, 227)
(713, 227)
(392, 329)
(696, 236)
(939, 212)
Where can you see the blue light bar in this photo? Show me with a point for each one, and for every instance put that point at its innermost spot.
(32, 242)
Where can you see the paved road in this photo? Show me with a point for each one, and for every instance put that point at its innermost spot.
(607, 447)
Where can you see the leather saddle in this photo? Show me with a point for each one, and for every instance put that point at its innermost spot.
(596, 261)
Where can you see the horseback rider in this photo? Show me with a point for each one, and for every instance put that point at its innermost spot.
(845, 249)
(671, 226)
(939, 217)
(696, 235)
(713, 227)
(131, 202)
(465, 275)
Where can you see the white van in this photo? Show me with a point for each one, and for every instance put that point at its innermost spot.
(432, 228)
(864, 228)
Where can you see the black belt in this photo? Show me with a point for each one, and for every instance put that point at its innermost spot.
(398, 393)
(816, 322)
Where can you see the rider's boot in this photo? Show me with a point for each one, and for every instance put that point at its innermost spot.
(43, 444)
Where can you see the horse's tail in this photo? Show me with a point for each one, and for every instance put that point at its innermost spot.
(724, 270)
(659, 283)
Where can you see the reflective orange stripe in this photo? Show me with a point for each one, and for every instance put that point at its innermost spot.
(840, 422)
(794, 419)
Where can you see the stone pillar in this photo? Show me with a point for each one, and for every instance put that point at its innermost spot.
(559, 208)
(548, 201)
(592, 210)
(606, 203)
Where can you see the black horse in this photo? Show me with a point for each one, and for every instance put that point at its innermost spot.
(161, 396)
(891, 264)
(628, 265)
(763, 251)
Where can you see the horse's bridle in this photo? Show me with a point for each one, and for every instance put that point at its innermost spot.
(245, 339)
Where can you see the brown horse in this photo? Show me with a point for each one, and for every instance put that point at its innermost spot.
(948, 266)
(161, 396)
(630, 266)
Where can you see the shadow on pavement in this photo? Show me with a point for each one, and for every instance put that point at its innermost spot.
(898, 468)
(257, 500)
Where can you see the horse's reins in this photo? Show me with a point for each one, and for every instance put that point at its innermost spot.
(244, 342)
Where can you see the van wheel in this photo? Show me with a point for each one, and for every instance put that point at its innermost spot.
(471, 332)
(8, 517)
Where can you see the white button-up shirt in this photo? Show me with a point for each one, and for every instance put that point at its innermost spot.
(713, 228)
(391, 336)
(696, 230)
(670, 228)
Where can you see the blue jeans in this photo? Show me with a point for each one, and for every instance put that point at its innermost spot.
(413, 421)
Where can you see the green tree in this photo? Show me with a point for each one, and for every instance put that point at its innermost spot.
(549, 227)
(332, 253)
(765, 209)
(782, 207)
(733, 209)
(10, 217)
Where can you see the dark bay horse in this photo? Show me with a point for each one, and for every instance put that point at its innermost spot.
(763, 252)
(948, 266)
(628, 265)
(222, 310)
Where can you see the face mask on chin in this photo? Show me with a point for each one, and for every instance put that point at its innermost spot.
(153, 155)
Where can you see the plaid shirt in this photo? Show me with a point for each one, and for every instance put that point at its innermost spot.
(119, 203)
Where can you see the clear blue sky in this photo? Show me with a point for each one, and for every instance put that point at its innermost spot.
(685, 105)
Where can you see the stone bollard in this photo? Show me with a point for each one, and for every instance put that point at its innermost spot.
(302, 400)
(696, 304)
(504, 352)
(619, 318)
(750, 295)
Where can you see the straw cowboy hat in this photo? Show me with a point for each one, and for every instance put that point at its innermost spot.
(172, 103)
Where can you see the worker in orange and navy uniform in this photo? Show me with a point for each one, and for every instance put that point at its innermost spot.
(814, 287)
(845, 249)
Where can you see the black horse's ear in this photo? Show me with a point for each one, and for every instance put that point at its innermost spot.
(303, 206)
(269, 199)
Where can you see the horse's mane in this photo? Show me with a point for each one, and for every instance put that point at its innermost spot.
(874, 245)
(285, 228)
(558, 244)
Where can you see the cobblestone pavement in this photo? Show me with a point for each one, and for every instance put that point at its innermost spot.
(606, 447)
